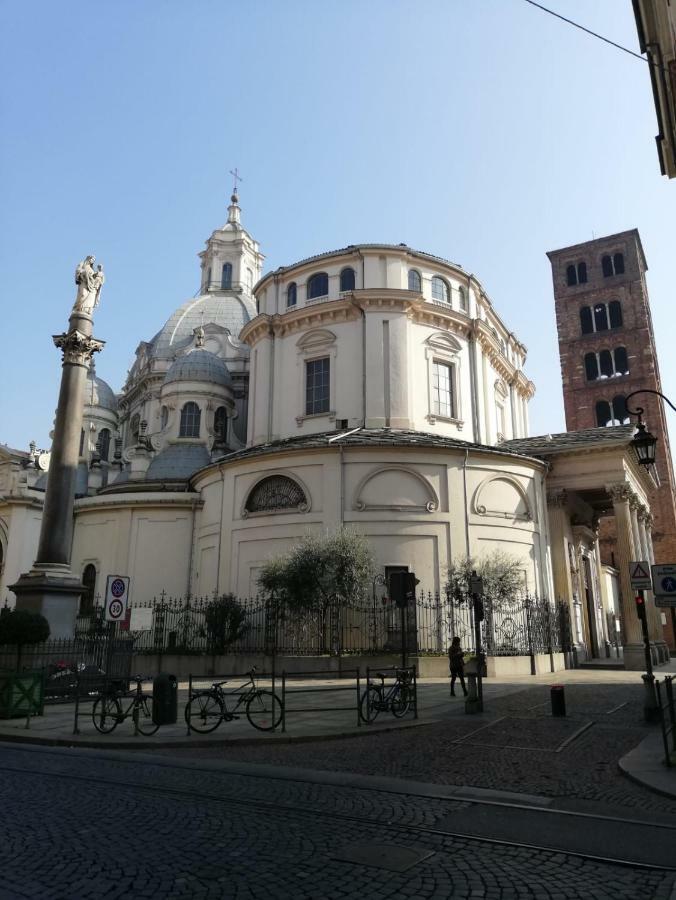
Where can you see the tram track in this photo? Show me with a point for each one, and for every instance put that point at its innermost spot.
(380, 824)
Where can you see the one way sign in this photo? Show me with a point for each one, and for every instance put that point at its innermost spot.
(640, 575)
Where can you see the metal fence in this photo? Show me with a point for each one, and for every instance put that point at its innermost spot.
(215, 625)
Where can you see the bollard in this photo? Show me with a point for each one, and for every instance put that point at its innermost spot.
(473, 704)
(558, 697)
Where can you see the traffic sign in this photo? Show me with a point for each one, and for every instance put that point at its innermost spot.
(117, 597)
(664, 585)
(639, 572)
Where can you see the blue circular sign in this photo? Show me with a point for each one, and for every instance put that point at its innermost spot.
(668, 584)
(117, 587)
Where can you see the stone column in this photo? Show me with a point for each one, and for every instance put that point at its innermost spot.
(50, 587)
(655, 627)
(634, 657)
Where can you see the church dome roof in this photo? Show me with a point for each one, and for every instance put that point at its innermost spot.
(228, 311)
(98, 392)
(178, 461)
(199, 365)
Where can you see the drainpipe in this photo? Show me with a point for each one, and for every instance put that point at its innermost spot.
(363, 344)
(342, 469)
(464, 486)
(271, 379)
(192, 546)
(476, 426)
(220, 532)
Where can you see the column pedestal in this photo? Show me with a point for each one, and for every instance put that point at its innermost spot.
(53, 591)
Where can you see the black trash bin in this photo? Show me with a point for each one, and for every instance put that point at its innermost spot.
(558, 695)
(165, 699)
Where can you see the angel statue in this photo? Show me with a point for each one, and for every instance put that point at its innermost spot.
(89, 283)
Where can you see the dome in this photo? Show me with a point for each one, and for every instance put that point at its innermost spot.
(178, 461)
(231, 312)
(199, 365)
(98, 392)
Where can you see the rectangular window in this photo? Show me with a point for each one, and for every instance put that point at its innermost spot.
(317, 386)
(442, 390)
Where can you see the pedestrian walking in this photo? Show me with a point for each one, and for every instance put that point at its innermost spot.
(456, 664)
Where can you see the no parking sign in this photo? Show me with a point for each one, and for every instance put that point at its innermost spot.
(117, 595)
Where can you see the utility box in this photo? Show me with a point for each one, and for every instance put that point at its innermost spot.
(165, 699)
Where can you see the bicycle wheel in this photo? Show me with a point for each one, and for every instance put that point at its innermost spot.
(106, 713)
(264, 710)
(369, 705)
(402, 702)
(204, 713)
(144, 710)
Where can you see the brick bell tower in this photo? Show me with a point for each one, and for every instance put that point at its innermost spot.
(607, 350)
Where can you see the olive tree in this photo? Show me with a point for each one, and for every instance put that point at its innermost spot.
(502, 575)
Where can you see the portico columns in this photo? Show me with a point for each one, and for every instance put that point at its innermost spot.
(655, 618)
(621, 494)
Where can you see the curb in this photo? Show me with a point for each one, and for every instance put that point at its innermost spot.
(644, 767)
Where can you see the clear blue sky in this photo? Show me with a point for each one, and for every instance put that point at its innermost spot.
(481, 130)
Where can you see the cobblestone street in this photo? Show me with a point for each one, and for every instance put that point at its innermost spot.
(79, 825)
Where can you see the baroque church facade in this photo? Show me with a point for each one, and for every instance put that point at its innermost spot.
(374, 386)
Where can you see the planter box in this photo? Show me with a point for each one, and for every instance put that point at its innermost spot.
(21, 694)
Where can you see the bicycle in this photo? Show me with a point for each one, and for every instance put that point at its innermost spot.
(107, 712)
(396, 698)
(205, 710)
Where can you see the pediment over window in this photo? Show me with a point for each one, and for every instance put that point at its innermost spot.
(276, 494)
(397, 488)
(316, 339)
(442, 341)
(503, 497)
(501, 388)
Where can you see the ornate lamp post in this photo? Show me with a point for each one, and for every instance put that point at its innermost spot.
(50, 587)
(644, 442)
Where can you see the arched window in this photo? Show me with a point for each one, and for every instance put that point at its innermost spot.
(621, 361)
(603, 415)
(414, 281)
(164, 417)
(600, 317)
(104, 443)
(249, 280)
(615, 311)
(134, 426)
(618, 263)
(82, 437)
(347, 280)
(207, 283)
(462, 294)
(88, 595)
(582, 273)
(276, 492)
(607, 266)
(586, 320)
(571, 276)
(221, 422)
(606, 363)
(591, 366)
(620, 414)
(439, 289)
(226, 277)
(291, 294)
(190, 420)
(318, 286)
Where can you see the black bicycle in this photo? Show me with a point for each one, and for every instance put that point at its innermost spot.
(205, 710)
(108, 711)
(396, 698)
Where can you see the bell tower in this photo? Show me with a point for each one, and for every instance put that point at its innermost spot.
(232, 261)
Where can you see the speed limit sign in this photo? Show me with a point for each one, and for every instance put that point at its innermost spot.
(117, 596)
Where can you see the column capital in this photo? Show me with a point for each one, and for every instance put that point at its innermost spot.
(620, 492)
(557, 498)
(77, 348)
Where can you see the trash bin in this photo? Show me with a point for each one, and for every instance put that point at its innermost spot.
(558, 696)
(165, 699)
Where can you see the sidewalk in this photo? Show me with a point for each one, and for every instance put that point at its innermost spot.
(645, 765)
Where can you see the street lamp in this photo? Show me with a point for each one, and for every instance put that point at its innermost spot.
(644, 442)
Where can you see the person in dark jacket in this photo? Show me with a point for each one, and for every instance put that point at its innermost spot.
(456, 664)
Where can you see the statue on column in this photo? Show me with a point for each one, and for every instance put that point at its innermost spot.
(89, 282)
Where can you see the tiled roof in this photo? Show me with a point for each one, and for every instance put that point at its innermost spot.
(199, 365)
(368, 437)
(546, 444)
(178, 461)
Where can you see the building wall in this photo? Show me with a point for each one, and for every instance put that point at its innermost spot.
(636, 334)
(421, 509)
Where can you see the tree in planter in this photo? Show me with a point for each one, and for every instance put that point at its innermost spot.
(225, 620)
(21, 627)
(320, 574)
(503, 582)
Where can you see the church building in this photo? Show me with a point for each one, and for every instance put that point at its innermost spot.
(374, 386)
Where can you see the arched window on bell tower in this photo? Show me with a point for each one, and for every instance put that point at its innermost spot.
(226, 277)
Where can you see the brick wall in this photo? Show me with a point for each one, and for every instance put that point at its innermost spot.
(636, 336)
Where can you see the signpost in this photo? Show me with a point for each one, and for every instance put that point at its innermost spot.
(117, 597)
(664, 585)
(639, 573)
